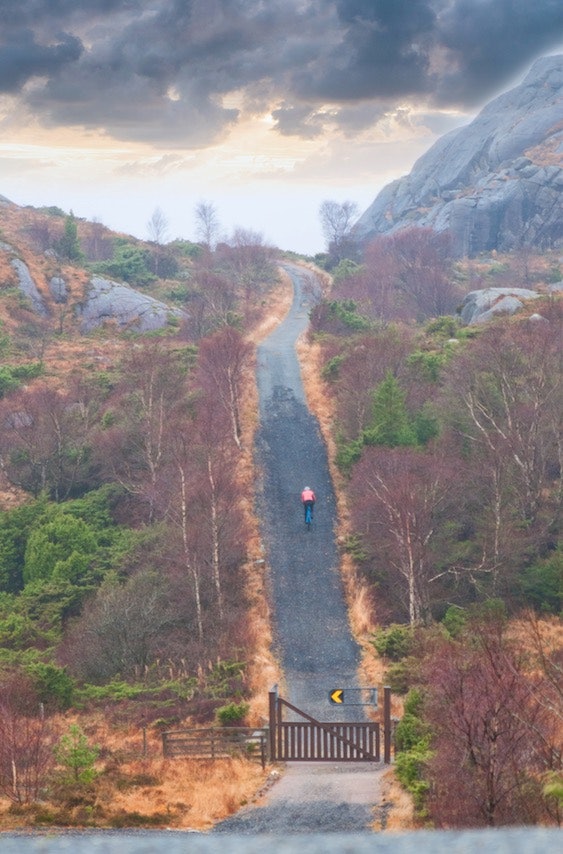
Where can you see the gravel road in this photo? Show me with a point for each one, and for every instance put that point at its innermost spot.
(313, 637)
(312, 633)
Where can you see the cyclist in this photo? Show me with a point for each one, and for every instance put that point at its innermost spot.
(308, 499)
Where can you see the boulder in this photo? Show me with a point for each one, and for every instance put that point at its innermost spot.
(28, 287)
(480, 306)
(58, 289)
(108, 300)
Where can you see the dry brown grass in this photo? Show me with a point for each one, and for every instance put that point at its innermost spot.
(395, 812)
(10, 496)
(542, 641)
(279, 301)
(147, 790)
(194, 793)
(548, 153)
(528, 629)
(180, 793)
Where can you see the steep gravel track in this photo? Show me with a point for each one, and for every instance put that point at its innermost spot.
(313, 637)
(312, 632)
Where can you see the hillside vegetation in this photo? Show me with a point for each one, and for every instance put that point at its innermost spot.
(131, 590)
(448, 449)
(129, 601)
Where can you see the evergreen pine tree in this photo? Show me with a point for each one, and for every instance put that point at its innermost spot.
(390, 425)
(68, 247)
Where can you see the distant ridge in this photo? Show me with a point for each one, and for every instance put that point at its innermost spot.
(496, 183)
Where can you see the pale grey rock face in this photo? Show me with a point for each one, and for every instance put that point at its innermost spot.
(59, 290)
(107, 300)
(481, 306)
(481, 182)
(28, 287)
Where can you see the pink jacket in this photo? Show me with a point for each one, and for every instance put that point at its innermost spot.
(307, 495)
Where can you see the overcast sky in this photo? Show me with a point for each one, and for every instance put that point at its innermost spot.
(113, 108)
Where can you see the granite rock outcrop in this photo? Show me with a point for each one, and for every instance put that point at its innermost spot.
(496, 184)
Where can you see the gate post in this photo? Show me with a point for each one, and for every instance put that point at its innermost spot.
(387, 725)
(273, 707)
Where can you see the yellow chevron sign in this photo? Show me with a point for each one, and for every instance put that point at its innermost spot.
(353, 696)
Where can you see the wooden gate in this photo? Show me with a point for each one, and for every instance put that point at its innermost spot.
(310, 740)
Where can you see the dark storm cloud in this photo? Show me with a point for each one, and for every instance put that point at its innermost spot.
(308, 122)
(383, 51)
(23, 58)
(300, 121)
(453, 53)
(157, 70)
(489, 42)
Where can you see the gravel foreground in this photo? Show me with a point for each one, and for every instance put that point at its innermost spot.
(313, 797)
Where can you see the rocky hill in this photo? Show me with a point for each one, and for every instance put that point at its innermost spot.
(496, 183)
(51, 284)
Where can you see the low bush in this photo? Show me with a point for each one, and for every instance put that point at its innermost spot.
(394, 642)
(401, 675)
(412, 742)
(454, 620)
(233, 714)
(124, 819)
(410, 773)
(541, 584)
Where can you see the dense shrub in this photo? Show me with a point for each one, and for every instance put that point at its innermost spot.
(541, 584)
(11, 377)
(395, 642)
(412, 742)
(61, 548)
(454, 620)
(233, 714)
(130, 263)
(53, 685)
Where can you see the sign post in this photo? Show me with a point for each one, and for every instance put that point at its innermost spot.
(387, 725)
(273, 709)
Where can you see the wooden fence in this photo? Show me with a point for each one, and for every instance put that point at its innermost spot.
(217, 743)
(308, 740)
